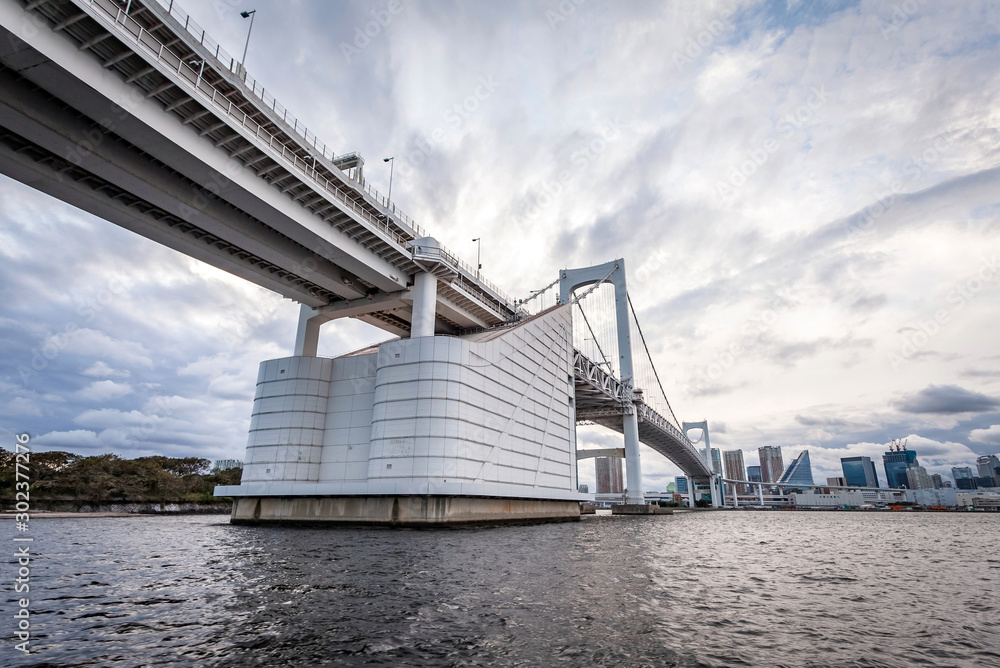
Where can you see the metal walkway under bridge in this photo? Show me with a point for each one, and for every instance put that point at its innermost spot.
(128, 110)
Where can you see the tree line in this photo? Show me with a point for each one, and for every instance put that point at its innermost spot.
(64, 476)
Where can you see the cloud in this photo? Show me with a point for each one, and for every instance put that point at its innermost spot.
(989, 436)
(946, 399)
(102, 390)
(101, 370)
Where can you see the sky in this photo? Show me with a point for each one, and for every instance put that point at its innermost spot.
(805, 195)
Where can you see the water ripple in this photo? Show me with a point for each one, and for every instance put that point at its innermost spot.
(695, 589)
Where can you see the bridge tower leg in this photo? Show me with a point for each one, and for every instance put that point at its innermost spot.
(718, 500)
(571, 279)
(760, 493)
(307, 333)
(424, 304)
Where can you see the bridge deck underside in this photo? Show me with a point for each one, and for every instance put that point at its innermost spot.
(218, 174)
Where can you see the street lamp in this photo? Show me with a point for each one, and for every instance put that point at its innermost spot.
(247, 15)
(392, 163)
(479, 257)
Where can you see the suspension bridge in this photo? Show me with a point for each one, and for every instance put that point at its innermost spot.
(127, 109)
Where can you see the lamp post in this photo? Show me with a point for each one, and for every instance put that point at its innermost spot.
(247, 15)
(392, 163)
(479, 257)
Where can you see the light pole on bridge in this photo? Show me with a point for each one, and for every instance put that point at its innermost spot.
(388, 198)
(479, 256)
(247, 15)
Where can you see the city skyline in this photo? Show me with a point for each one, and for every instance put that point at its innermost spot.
(834, 298)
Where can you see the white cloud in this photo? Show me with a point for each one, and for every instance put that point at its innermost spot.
(989, 436)
(100, 369)
(103, 390)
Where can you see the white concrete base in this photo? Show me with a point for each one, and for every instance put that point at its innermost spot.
(403, 511)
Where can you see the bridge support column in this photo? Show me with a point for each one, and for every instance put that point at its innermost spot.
(307, 334)
(424, 304)
(633, 469)
(760, 493)
(736, 499)
(690, 492)
(715, 483)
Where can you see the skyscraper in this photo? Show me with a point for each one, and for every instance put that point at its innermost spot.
(735, 469)
(963, 477)
(717, 461)
(917, 478)
(859, 471)
(609, 475)
(799, 471)
(771, 463)
(989, 467)
(753, 474)
(937, 480)
(896, 462)
(682, 484)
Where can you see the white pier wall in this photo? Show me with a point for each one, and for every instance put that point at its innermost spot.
(289, 420)
(490, 415)
(494, 416)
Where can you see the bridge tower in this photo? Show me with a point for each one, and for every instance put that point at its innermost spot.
(614, 272)
(715, 482)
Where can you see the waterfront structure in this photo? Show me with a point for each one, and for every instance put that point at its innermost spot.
(847, 498)
(859, 471)
(754, 474)
(771, 463)
(963, 477)
(930, 497)
(895, 463)
(799, 471)
(735, 469)
(609, 475)
(917, 478)
(226, 464)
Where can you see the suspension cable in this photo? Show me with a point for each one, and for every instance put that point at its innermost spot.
(537, 293)
(596, 341)
(650, 358)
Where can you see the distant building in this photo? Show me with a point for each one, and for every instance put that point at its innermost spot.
(226, 464)
(917, 478)
(989, 467)
(771, 463)
(896, 462)
(963, 477)
(859, 471)
(717, 461)
(682, 484)
(799, 471)
(735, 469)
(609, 475)
(753, 474)
(836, 482)
(584, 488)
(982, 482)
(937, 480)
